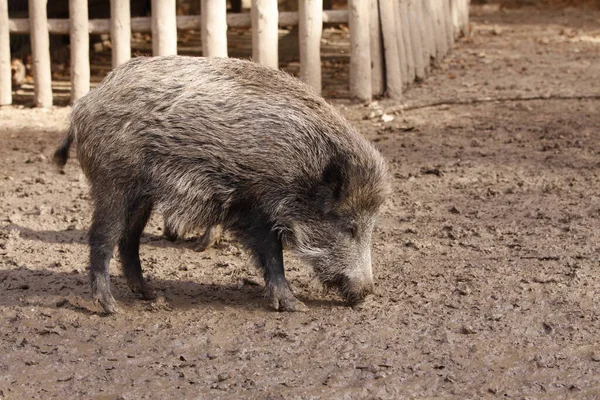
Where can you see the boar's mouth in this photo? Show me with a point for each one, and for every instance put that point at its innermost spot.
(351, 293)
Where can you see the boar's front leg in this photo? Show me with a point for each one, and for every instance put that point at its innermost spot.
(269, 253)
(255, 230)
(265, 245)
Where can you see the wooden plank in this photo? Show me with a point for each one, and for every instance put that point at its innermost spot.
(415, 38)
(393, 69)
(265, 35)
(119, 27)
(440, 36)
(455, 16)
(464, 16)
(430, 27)
(164, 28)
(80, 49)
(144, 24)
(406, 54)
(360, 50)
(447, 21)
(290, 18)
(214, 28)
(5, 71)
(425, 33)
(310, 30)
(377, 61)
(40, 49)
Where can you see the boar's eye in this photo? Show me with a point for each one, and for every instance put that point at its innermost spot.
(351, 230)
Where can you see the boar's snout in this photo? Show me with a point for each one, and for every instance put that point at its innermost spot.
(355, 289)
(352, 275)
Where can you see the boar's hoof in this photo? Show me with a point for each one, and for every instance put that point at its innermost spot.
(211, 237)
(143, 289)
(282, 299)
(108, 303)
(170, 237)
(148, 293)
(101, 294)
(169, 234)
(292, 305)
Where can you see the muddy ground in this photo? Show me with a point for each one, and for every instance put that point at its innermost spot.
(486, 257)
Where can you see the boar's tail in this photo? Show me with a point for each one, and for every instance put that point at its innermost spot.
(61, 155)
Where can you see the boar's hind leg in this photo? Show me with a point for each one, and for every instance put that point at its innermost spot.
(269, 254)
(211, 236)
(168, 231)
(104, 233)
(129, 249)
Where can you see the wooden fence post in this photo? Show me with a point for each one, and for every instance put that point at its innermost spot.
(80, 48)
(377, 63)
(464, 16)
(455, 16)
(5, 71)
(440, 40)
(393, 69)
(164, 28)
(360, 53)
(430, 29)
(40, 49)
(120, 31)
(214, 28)
(425, 33)
(404, 39)
(310, 20)
(415, 38)
(265, 33)
(448, 23)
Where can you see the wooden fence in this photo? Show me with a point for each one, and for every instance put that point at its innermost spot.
(393, 42)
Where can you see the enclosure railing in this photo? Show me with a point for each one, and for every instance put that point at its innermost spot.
(393, 42)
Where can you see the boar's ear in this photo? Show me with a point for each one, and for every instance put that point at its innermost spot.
(332, 183)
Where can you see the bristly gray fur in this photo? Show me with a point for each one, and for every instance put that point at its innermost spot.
(205, 139)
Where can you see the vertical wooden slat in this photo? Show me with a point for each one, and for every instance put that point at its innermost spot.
(164, 28)
(265, 34)
(40, 49)
(214, 28)
(377, 63)
(464, 16)
(400, 43)
(440, 39)
(393, 70)
(424, 33)
(435, 28)
(447, 17)
(5, 72)
(430, 28)
(360, 53)
(455, 16)
(404, 40)
(80, 48)
(120, 31)
(415, 39)
(310, 20)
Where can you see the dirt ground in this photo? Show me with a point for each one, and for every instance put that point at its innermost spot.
(486, 257)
